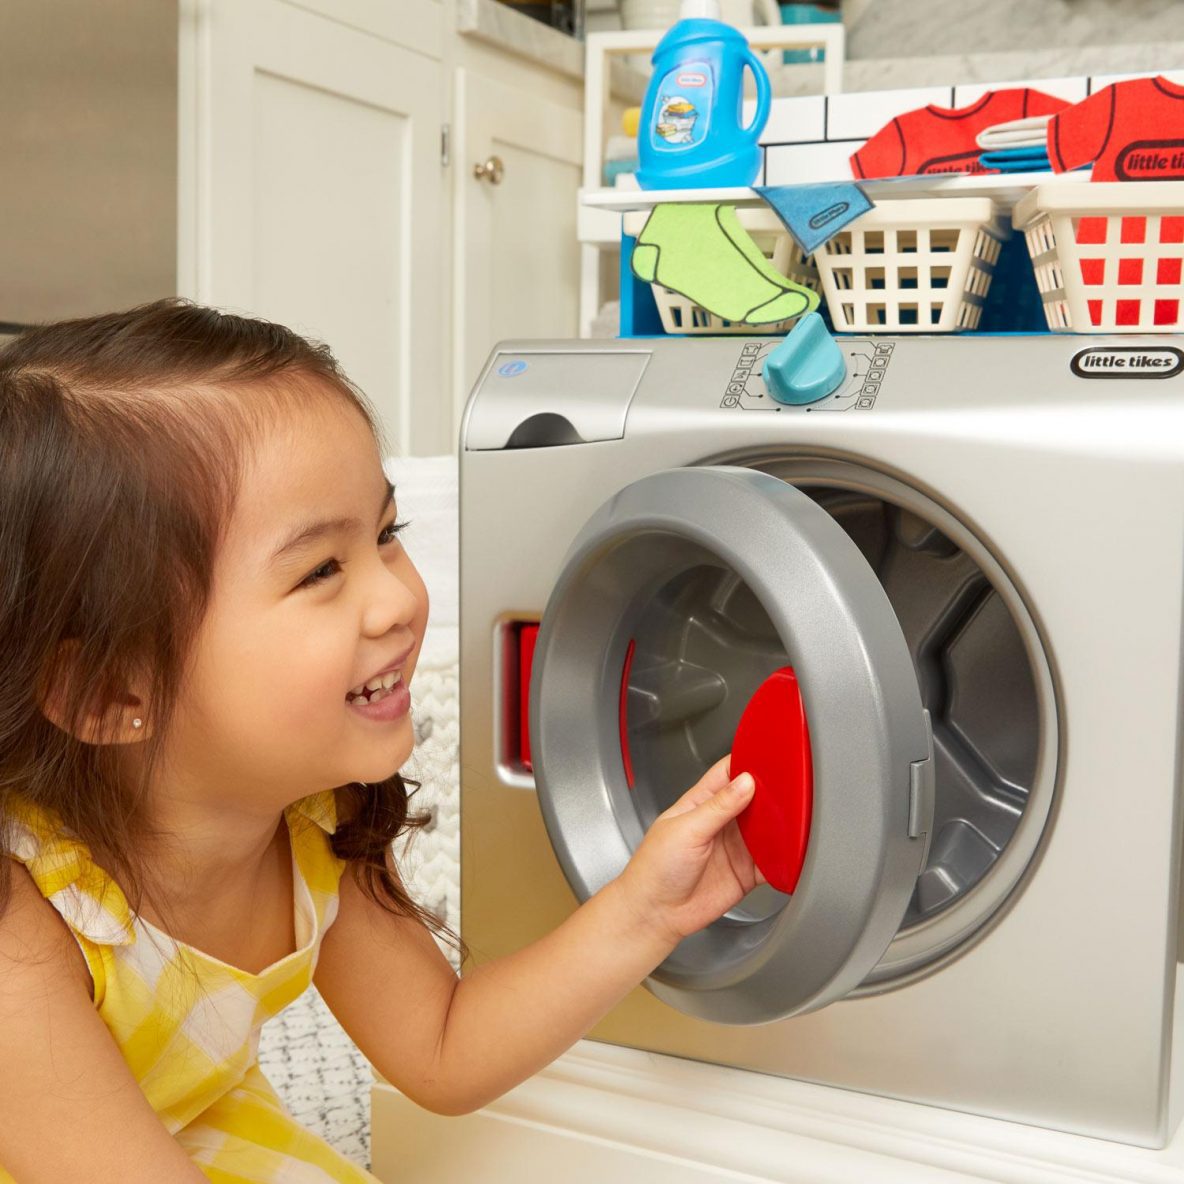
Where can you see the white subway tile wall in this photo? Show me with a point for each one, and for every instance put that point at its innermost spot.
(811, 137)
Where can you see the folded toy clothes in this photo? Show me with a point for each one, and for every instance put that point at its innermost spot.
(1030, 132)
(1128, 131)
(1016, 160)
(934, 139)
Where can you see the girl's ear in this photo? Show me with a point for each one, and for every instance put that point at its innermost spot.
(104, 715)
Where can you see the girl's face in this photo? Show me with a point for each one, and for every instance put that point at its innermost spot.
(313, 597)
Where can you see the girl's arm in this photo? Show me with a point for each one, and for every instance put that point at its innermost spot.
(70, 1108)
(452, 1045)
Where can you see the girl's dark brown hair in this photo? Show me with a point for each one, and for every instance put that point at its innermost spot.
(121, 446)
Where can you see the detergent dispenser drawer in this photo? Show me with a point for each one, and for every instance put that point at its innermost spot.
(545, 399)
(676, 602)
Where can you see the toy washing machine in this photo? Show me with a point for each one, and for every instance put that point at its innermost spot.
(971, 553)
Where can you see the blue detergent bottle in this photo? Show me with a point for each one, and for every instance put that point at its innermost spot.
(690, 134)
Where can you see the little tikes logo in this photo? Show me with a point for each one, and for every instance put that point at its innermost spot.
(1150, 160)
(825, 217)
(1127, 361)
(692, 80)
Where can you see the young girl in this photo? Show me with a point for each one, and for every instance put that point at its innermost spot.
(208, 630)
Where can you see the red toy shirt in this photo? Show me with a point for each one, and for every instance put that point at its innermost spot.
(942, 139)
(1132, 131)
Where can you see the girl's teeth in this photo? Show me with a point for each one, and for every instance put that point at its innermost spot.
(372, 695)
(382, 682)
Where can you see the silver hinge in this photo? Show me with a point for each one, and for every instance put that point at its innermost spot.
(445, 145)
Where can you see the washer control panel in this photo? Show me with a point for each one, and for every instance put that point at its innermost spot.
(867, 363)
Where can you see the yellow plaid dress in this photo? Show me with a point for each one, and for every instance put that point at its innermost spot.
(187, 1023)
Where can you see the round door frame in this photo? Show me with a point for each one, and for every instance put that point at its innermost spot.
(869, 734)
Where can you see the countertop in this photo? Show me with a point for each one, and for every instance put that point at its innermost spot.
(502, 26)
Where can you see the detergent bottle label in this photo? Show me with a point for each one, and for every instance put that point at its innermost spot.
(682, 113)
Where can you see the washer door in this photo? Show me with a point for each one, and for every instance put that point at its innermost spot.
(676, 600)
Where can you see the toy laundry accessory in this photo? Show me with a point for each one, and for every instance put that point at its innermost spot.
(1029, 132)
(1015, 160)
(944, 139)
(814, 214)
(1132, 131)
(703, 253)
(691, 135)
(1016, 146)
(1108, 258)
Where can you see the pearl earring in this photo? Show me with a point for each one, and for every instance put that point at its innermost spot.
(137, 723)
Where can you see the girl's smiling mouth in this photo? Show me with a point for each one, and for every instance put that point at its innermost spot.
(384, 695)
(389, 701)
(374, 689)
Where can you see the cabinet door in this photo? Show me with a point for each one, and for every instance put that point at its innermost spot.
(311, 193)
(517, 255)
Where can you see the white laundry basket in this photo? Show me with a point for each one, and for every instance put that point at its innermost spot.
(683, 316)
(1107, 255)
(922, 265)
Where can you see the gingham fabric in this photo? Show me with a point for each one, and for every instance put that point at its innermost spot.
(187, 1023)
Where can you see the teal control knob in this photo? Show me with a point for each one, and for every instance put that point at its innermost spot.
(807, 366)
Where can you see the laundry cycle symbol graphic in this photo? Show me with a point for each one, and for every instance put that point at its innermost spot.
(511, 369)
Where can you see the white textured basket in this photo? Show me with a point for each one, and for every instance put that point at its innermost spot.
(916, 266)
(682, 316)
(1107, 256)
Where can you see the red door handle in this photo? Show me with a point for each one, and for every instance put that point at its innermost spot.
(773, 744)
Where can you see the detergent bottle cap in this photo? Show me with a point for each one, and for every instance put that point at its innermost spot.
(699, 9)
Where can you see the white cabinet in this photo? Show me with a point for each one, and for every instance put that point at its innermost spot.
(517, 256)
(314, 191)
(311, 184)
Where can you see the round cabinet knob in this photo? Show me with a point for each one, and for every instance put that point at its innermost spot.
(807, 366)
(492, 170)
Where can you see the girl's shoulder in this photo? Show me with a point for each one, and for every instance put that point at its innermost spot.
(32, 932)
(62, 868)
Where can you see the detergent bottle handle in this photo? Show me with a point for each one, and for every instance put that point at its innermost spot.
(764, 95)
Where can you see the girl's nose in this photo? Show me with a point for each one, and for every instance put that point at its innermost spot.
(391, 600)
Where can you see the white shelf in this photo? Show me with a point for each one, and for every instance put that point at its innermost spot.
(598, 219)
(1006, 188)
(596, 226)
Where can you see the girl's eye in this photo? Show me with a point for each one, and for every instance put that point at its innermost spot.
(389, 531)
(328, 568)
(332, 566)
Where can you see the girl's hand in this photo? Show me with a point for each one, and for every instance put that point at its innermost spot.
(692, 866)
